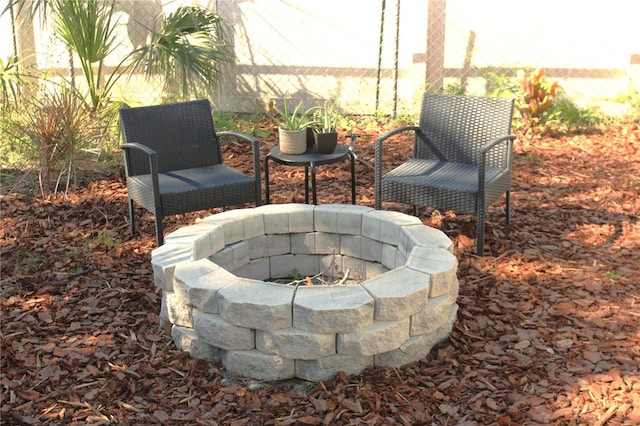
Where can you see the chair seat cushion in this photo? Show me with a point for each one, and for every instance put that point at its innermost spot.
(441, 175)
(198, 188)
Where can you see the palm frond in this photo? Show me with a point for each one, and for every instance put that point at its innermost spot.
(189, 50)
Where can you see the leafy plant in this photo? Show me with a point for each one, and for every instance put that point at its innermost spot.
(87, 28)
(289, 118)
(453, 89)
(189, 50)
(536, 100)
(10, 80)
(54, 129)
(612, 275)
(327, 119)
(567, 116)
(500, 85)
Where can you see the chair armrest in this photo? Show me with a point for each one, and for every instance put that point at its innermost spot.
(377, 165)
(153, 156)
(396, 131)
(486, 148)
(138, 146)
(494, 143)
(483, 157)
(382, 138)
(255, 147)
(153, 165)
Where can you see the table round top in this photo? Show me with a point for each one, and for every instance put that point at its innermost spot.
(310, 157)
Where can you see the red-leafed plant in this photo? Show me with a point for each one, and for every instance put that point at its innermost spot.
(537, 100)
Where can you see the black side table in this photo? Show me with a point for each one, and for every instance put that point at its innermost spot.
(310, 159)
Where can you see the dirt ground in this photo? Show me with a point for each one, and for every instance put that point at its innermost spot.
(548, 329)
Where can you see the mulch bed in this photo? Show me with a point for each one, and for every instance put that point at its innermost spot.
(548, 330)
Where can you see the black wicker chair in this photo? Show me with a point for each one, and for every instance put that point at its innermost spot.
(173, 162)
(461, 158)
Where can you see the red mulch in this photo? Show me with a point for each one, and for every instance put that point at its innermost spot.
(548, 329)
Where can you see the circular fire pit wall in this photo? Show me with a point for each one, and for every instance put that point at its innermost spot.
(229, 289)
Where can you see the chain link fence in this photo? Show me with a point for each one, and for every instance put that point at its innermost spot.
(377, 56)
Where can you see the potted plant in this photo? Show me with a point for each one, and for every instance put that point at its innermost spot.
(292, 127)
(326, 136)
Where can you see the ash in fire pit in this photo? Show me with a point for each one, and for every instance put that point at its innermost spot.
(220, 295)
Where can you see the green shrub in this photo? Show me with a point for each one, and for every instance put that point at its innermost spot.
(566, 116)
(54, 130)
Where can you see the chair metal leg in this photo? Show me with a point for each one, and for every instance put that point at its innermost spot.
(159, 231)
(132, 224)
(480, 233)
(266, 179)
(508, 207)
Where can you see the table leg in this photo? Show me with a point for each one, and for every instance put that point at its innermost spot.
(313, 183)
(306, 184)
(353, 177)
(266, 178)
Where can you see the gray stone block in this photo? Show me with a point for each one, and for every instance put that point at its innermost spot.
(325, 368)
(258, 365)
(350, 219)
(295, 344)
(438, 263)
(300, 218)
(398, 293)
(256, 269)
(216, 331)
(325, 218)
(381, 336)
(350, 245)
(199, 236)
(435, 314)
(283, 266)
(201, 291)
(417, 347)
(370, 250)
(187, 340)
(390, 224)
(426, 236)
(388, 256)
(278, 244)
(276, 218)
(256, 304)
(178, 310)
(164, 260)
(303, 243)
(332, 309)
(253, 225)
(232, 256)
(327, 243)
(373, 270)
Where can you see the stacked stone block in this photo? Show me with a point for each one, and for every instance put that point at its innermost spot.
(217, 290)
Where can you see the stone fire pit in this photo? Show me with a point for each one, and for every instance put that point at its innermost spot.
(396, 301)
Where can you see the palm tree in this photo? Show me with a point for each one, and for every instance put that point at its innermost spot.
(187, 51)
(86, 27)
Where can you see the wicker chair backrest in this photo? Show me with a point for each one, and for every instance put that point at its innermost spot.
(182, 134)
(458, 126)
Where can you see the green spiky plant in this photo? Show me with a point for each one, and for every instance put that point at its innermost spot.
(189, 50)
(291, 118)
(54, 129)
(10, 81)
(87, 28)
